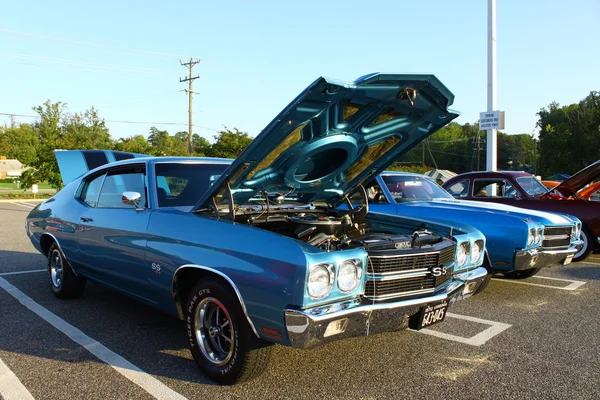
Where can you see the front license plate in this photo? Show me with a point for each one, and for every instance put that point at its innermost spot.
(568, 259)
(431, 314)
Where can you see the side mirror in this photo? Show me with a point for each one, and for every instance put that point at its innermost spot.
(517, 196)
(131, 199)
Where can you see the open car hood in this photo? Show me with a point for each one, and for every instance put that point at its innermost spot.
(334, 136)
(576, 182)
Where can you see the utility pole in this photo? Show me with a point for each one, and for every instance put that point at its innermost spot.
(492, 97)
(190, 79)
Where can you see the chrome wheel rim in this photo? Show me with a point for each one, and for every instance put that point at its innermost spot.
(214, 331)
(56, 268)
(584, 247)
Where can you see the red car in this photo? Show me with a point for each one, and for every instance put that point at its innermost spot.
(522, 189)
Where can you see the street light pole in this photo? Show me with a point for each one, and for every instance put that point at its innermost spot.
(492, 99)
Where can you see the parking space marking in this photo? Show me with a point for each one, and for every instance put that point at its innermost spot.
(573, 285)
(23, 272)
(11, 387)
(481, 338)
(590, 263)
(24, 205)
(144, 380)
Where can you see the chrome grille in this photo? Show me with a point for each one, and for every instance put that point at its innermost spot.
(556, 236)
(405, 287)
(400, 263)
(403, 268)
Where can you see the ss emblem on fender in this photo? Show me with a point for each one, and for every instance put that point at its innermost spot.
(156, 268)
(438, 271)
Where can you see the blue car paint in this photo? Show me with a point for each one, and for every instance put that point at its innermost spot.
(268, 270)
(321, 155)
(505, 227)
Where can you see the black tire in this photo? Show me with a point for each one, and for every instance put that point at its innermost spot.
(63, 281)
(227, 351)
(528, 273)
(587, 248)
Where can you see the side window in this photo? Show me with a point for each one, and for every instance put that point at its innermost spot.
(488, 189)
(119, 181)
(182, 185)
(91, 190)
(459, 189)
(509, 190)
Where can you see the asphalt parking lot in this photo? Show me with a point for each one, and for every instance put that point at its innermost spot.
(536, 338)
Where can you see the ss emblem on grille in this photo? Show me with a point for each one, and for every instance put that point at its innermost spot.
(438, 271)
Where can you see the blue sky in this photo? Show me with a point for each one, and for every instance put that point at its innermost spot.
(257, 56)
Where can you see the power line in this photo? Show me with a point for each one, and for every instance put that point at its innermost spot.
(87, 64)
(116, 121)
(79, 42)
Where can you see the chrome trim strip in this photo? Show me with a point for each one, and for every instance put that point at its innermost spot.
(398, 276)
(556, 237)
(407, 255)
(237, 292)
(400, 294)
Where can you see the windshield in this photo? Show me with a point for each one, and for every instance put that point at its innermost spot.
(413, 188)
(531, 185)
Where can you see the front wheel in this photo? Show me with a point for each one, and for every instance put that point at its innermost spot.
(587, 247)
(528, 273)
(221, 339)
(63, 281)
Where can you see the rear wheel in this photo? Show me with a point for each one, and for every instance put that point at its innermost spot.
(587, 247)
(63, 281)
(221, 339)
(528, 273)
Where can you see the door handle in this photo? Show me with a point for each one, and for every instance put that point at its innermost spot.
(86, 219)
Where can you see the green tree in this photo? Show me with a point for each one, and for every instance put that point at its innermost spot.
(569, 135)
(229, 143)
(49, 134)
(134, 144)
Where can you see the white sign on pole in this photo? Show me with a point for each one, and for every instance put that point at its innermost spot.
(491, 120)
(34, 188)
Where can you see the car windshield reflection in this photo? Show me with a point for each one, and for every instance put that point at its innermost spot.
(414, 188)
(531, 185)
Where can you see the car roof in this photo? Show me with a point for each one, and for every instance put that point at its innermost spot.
(491, 174)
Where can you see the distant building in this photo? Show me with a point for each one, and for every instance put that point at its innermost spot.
(10, 168)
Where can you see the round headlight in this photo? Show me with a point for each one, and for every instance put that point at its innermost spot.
(349, 275)
(476, 251)
(538, 235)
(531, 237)
(320, 281)
(461, 254)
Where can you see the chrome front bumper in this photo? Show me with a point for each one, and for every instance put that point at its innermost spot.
(536, 258)
(360, 317)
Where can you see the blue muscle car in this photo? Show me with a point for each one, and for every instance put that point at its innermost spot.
(256, 251)
(519, 241)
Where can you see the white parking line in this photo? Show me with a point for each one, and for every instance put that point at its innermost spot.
(590, 263)
(24, 205)
(481, 338)
(573, 285)
(11, 387)
(147, 382)
(23, 272)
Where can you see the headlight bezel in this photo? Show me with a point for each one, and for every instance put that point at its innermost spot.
(329, 268)
(463, 248)
(357, 267)
(539, 235)
(531, 237)
(480, 246)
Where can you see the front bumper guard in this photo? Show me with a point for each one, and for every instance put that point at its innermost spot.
(359, 317)
(541, 258)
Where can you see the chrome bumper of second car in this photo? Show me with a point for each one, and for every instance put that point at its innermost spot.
(540, 258)
(360, 317)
